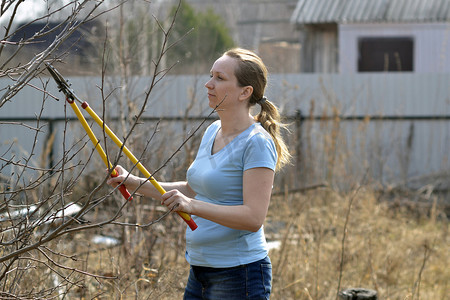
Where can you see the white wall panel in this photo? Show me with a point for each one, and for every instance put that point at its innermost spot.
(381, 144)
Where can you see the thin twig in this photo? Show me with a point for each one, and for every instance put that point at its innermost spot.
(416, 288)
(344, 234)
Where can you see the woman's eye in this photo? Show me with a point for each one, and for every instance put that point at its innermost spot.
(218, 77)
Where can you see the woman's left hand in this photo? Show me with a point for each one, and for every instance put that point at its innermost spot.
(178, 201)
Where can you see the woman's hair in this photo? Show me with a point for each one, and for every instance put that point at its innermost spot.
(251, 71)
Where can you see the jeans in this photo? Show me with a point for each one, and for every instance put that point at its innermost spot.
(252, 281)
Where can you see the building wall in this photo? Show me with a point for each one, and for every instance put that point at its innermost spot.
(431, 44)
(394, 125)
(318, 49)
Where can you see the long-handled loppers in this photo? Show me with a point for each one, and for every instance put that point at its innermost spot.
(71, 98)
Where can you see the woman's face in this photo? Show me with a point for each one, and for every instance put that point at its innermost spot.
(223, 83)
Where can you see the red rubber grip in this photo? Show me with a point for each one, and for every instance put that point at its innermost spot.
(125, 193)
(122, 188)
(190, 223)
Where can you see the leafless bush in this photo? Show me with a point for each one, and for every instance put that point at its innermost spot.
(45, 212)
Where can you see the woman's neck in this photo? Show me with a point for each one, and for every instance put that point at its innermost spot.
(232, 124)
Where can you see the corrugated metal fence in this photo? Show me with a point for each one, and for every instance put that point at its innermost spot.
(393, 127)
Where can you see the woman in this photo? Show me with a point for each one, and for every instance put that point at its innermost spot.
(228, 185)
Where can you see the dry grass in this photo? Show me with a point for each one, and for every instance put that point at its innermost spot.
(399, 254)
(384, 249)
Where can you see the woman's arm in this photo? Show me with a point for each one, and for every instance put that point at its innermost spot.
(147, 189)
(257, 188)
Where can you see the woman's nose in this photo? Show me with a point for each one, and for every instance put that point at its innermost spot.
(208, 84)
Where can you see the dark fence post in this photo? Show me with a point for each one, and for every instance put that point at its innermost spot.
(49, 145)
(298, 128)
(358, 294)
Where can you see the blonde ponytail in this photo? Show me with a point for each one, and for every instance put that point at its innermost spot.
(270, 119)
(251, 71)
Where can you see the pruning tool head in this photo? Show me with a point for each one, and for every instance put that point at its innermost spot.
(63, 85)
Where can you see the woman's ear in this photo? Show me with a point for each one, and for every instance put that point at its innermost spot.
(246, 92)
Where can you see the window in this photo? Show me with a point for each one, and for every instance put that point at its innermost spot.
(386, 54)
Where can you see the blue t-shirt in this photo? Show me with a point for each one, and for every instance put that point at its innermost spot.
(218, 178)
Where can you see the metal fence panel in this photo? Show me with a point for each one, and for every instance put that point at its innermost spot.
(396, 125)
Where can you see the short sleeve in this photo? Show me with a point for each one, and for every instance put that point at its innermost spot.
(260, 152)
